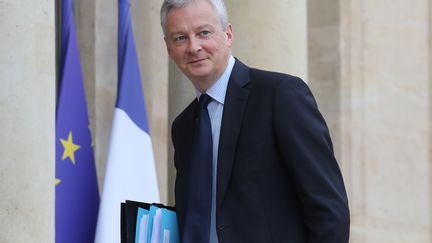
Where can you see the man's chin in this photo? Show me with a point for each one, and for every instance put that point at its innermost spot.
(201, 72)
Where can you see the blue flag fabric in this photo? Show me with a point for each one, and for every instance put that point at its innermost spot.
(76, 190)
(130, 97)
(130, 171)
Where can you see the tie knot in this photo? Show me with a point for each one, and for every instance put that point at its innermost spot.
(204, 100)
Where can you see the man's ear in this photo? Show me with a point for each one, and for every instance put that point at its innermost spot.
(230, 34)
(167, 46)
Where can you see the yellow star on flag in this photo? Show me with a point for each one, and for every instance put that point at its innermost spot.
(57, 181)
(69, 148)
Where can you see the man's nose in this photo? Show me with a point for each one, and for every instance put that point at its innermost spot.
(194, 45)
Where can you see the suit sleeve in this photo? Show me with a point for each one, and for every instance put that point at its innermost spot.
(305, 145)
(174, 138)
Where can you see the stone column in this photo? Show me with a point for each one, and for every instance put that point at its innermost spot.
(385, 118)
(104, 58)
(324, 64)
(154, 73)
(97, 39)
(270, 34)
(27, 105)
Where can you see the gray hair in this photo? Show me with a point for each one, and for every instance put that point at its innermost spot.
(218, 6)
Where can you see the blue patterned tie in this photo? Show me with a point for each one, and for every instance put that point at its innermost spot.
(199, 193)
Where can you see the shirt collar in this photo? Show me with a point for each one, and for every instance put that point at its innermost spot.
(218, 90)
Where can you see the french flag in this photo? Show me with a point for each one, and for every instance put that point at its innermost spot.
(130, 170)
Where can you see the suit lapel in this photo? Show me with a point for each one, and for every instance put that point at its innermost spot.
(234, 106)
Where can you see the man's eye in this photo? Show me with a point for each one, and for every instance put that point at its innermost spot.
(205, 33)
(179, 38)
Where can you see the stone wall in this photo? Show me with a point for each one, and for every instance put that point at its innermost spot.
(385, 118)
(369, 65)
(27, 105)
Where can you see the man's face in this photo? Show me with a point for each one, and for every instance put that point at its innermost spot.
(197, 44)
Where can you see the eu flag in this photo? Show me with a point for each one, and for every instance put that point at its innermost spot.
(76, 190)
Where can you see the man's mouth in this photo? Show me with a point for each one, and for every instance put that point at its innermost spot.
(196, 60)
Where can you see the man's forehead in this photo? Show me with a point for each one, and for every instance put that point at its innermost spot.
(193, 8)
(192, 19)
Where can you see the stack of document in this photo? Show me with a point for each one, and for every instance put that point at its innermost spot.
(148, 223)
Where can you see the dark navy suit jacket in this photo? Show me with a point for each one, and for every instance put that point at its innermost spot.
(277, 177)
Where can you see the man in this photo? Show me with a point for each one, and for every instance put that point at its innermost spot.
(268, 153)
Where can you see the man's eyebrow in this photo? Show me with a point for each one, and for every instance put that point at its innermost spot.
(176, 33)
(204, 26)
(179, 32)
